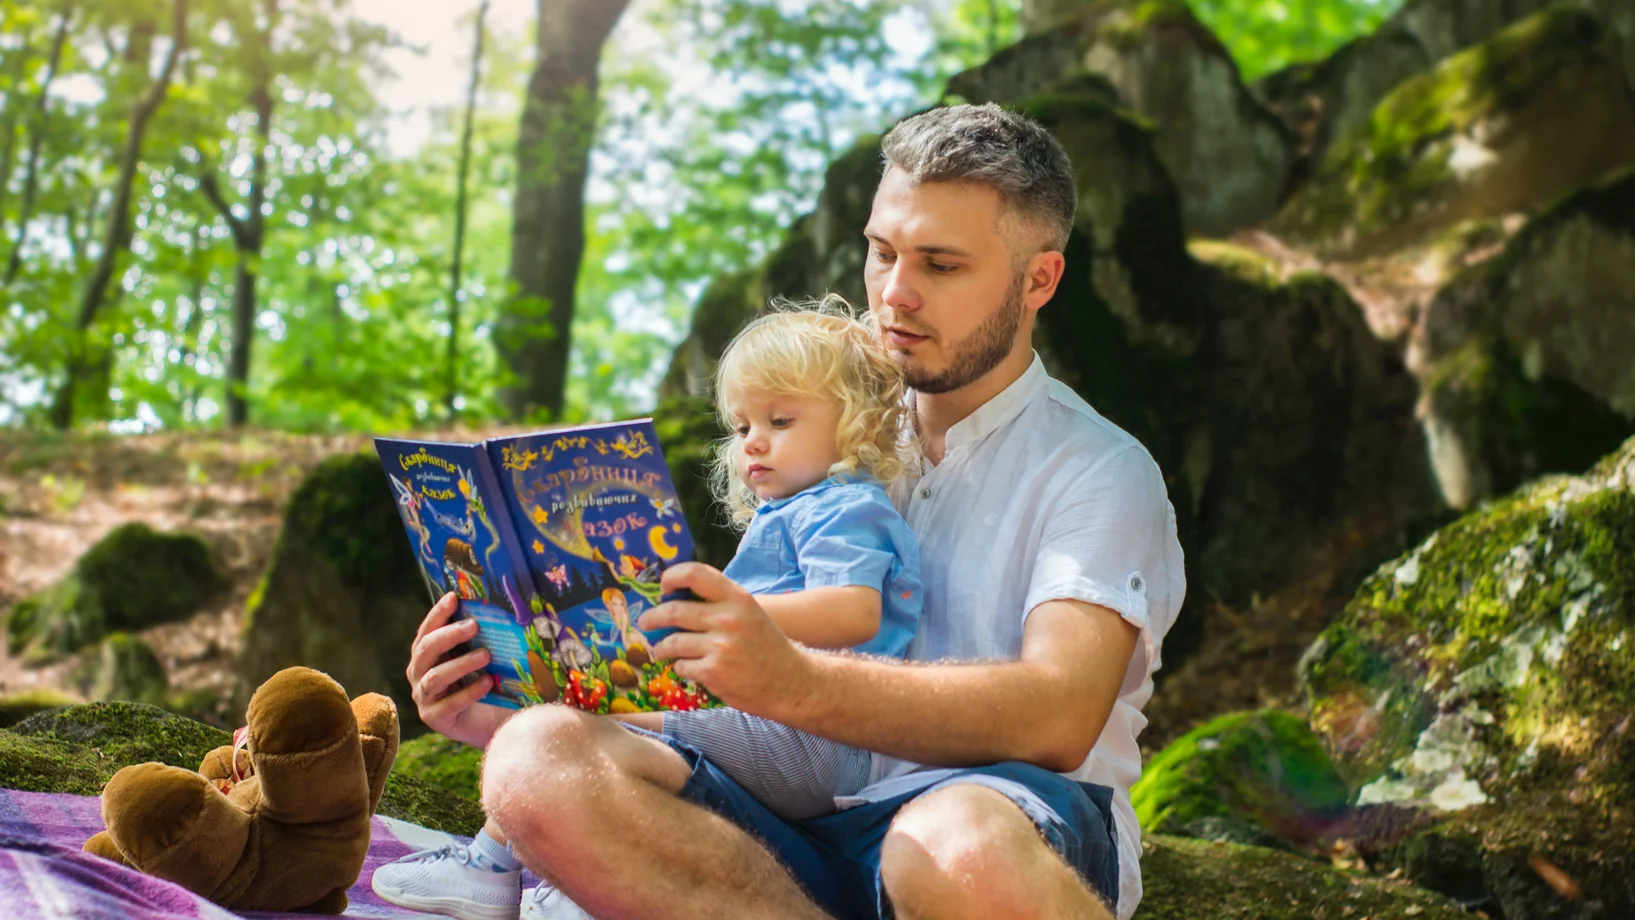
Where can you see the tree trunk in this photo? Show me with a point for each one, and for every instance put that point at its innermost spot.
(1041, 15)
(117, 236)
(548, 215)
(41, 124)
(249, 232)
(11, 104)
(451, 397)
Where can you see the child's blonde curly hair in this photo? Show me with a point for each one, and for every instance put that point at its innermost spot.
(814, 349)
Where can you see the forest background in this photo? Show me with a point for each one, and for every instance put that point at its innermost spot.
(306, 219)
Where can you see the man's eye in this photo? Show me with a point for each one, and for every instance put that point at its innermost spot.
(941, 268)
(883, 256)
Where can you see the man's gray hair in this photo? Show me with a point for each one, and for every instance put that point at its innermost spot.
(987, 145)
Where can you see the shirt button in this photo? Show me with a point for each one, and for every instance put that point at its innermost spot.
(925, 493)
(1135, 583)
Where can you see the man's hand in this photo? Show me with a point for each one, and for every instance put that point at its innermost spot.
(431, 673)
(730, 645)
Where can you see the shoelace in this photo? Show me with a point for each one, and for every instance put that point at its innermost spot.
(448, 849)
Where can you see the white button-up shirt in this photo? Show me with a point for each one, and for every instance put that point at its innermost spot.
(1040, 498)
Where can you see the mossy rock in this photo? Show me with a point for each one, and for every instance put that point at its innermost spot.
(1265, 769)
(1228, 156)
(1533, 112)
(125, 668)
(1484, 679)
(133, 578)
(1526, 357)
(77, 749)
(1186, 879)
(444, 763)
(342, 594)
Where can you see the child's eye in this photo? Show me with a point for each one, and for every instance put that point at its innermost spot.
(782, 422)
(742, 430)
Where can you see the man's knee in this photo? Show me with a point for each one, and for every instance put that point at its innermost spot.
(964, 842)
(539, 754)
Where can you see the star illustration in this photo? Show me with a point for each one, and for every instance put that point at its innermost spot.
(539, 547)
(541, 516)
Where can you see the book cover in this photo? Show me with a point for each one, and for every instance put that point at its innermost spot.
(555, 543)
(599, 523)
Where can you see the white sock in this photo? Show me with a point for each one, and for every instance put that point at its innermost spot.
(493, 855)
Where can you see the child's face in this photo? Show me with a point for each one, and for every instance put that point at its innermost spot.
(783, 444)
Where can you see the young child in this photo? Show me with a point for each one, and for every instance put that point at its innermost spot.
(817, 420)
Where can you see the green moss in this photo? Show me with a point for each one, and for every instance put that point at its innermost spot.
(1187, 879)
(1266, 768)
(1501, 644)
(129, 580)
(1240, 262)
(443, 763)
(412, 799)
(1376, 175)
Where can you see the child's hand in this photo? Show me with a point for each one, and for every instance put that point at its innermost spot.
(730, 645)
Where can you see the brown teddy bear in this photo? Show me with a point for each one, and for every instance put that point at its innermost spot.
(290, 830)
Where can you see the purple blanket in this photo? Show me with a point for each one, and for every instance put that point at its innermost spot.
(45, 876)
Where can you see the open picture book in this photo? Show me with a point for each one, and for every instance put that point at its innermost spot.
(555, 543)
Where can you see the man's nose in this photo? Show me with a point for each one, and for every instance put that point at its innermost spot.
(898, 293)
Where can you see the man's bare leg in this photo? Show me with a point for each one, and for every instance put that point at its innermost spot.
(595, 809)
(968, 852)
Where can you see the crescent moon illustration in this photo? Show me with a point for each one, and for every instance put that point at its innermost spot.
(657, 539)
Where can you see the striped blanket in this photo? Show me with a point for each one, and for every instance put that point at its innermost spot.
(45, 876)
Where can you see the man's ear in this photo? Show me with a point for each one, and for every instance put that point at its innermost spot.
(1043, 274)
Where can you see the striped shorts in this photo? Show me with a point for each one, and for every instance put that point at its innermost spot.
(796, 775)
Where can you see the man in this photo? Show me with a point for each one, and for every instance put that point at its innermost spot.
(1051, 572)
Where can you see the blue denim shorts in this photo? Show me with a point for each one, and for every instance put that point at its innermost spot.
(836, 857)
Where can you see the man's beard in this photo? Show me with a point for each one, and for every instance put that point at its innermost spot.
(978, 353)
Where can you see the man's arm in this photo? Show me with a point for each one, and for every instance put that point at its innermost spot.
(1047, 708)
(835, 617)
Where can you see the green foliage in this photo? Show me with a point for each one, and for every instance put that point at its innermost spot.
(1267, 35)
(441, 762)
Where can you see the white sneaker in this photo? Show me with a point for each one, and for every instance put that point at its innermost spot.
(445, 881)
(548, 903)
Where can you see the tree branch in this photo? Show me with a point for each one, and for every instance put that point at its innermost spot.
(212, 192)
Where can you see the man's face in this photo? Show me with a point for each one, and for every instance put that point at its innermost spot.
(948, 299)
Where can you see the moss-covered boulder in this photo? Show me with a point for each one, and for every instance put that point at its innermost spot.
(1526, 358)
(343, 594)
(1485, 680)
(77, 749)
(1265, 770)
(1463, 140)
(1228, 156)
(125, 668)
(133, 578)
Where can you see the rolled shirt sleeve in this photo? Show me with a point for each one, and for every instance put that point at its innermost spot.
(1100, 537)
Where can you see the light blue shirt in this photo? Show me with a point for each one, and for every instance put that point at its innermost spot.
(837, 534)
